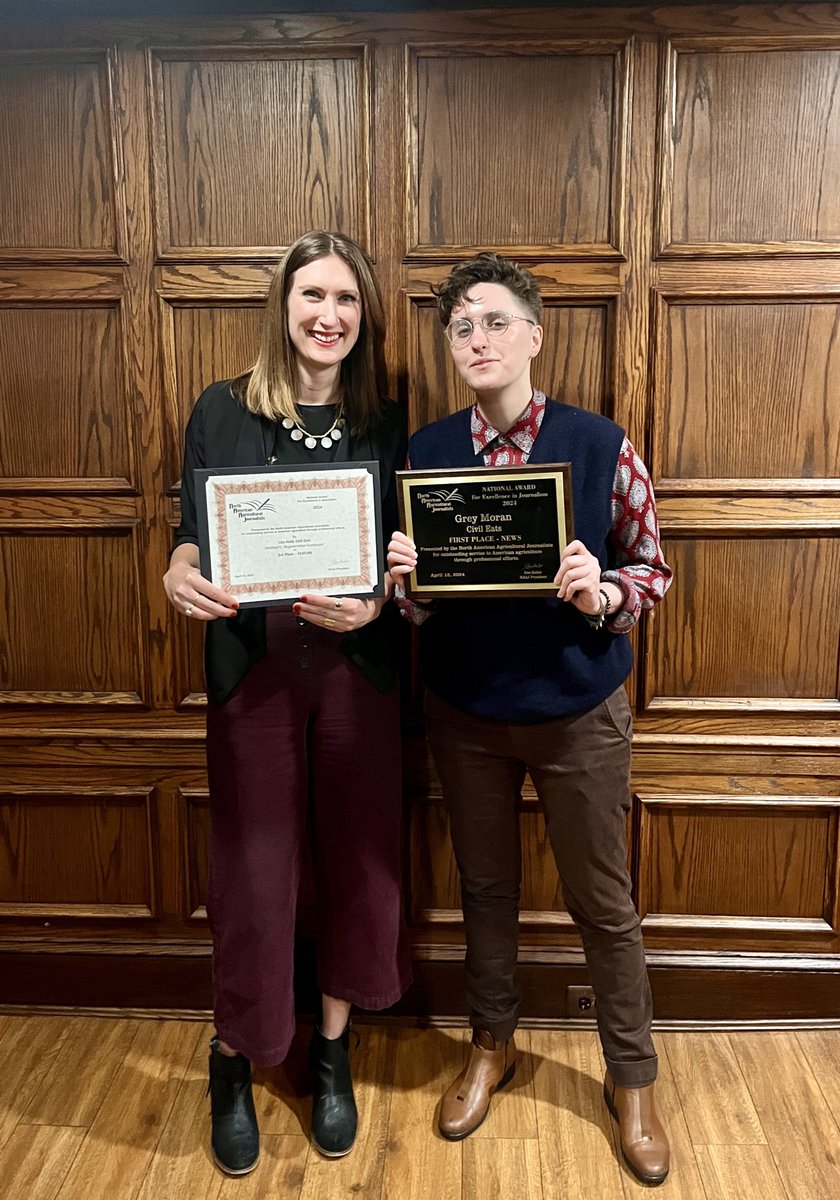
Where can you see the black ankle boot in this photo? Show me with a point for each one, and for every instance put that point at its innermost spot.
(334, 1115)
(236, 1139)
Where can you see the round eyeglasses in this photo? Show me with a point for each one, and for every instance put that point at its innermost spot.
(494, 324)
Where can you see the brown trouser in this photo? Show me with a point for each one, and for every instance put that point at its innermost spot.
(580, 767)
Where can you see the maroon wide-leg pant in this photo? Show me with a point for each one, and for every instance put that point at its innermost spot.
(304, 737)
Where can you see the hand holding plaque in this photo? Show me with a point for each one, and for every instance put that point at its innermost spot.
(486, 532)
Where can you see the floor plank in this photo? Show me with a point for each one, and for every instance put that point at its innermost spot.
(72, 1091)
(181, 1166)
(420, 1162)
(35, 1161)
(714, 1095)
(821, 1050)
(796, 1120)
(283, 1095)
(736, 1171)
(578, 1161)
(28, 1050)
(501, 1169)
(118, 1149)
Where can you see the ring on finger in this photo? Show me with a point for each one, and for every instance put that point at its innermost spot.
(188, 611)
(329, 622)
(338, 602)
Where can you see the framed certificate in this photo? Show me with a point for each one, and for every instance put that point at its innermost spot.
(484, 531)
(266, 535)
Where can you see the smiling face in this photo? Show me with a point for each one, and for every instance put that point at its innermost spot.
(500, 365)
(324, 312)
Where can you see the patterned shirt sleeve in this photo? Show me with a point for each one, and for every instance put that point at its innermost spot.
(640, 570)
(413, 612)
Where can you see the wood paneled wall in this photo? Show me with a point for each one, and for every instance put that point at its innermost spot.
(673, 178)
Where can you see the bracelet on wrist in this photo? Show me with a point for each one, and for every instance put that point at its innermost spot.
(596, 620)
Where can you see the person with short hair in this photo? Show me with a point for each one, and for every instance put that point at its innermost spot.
(537, 685)
(303, 715)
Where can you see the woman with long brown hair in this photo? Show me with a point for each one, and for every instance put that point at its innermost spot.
(302, 720)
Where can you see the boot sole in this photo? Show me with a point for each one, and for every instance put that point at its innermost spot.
(459, 1137)
(333, 1153)
(647, 1180)
(230, 1170)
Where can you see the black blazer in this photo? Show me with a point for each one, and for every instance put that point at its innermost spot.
(222, 433)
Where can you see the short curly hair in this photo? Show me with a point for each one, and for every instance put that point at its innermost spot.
(488, 268)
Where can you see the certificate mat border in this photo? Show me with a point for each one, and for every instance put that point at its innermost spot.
(203, 474)
(423, 477)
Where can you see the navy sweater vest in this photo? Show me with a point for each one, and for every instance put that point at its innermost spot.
(529, 660)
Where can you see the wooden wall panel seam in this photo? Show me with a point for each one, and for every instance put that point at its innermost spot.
(816, 961)
(71, 285)
(88, 912)
(705, 923)
(528, 918)
(793, 521)
(96, 699)
(68, 486)
(69, 522)
(812, 501)
(153, 730)
(815, 278)
(775, 705)
(240, 24)
(214, 282)
(190, 797)
(728, 801)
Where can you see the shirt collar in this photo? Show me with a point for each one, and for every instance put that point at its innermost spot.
(522, 434)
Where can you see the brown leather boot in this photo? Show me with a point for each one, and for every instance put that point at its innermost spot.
(466, 1103)
(644, 1143)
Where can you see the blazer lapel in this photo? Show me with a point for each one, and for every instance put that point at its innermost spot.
(254, 441)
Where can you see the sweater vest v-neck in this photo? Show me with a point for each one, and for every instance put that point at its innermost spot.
(524, 660)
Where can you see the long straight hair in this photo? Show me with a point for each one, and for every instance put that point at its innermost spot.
(269, 387)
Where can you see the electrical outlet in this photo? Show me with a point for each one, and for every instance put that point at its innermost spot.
(580, 1002)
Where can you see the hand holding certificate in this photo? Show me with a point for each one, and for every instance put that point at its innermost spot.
(269, 534)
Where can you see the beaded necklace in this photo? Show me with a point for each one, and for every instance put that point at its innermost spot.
(299, 432)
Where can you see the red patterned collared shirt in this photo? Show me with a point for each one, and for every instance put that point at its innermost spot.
(641, 571)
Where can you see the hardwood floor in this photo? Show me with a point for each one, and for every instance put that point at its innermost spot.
(108, 1109)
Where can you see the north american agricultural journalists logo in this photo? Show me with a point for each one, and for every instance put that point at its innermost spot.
(440, 499)
(252, 510)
